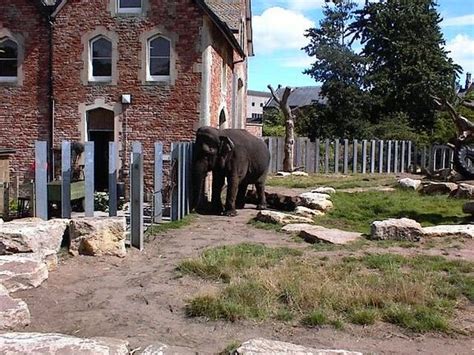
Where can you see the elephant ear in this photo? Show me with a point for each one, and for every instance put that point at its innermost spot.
(226, 146)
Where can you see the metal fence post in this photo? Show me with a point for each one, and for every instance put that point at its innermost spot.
(395, 158)
(136, 199)
(41, 180)
(317, 153)
(113, 179)
(409, 156)
(158, 182)
(402, 163)
(355, 146)
(326, 156)
(346, 157)
(364, 156)
(372, 156)
(389, 156)
(174, 193)
(336, 156)
(66, 179)
(381, 144)
(89, 179)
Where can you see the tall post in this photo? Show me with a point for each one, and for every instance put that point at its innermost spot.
(372, 156)
(409, 155)
(336, 156)
(113, 179)
(395, 158)
(402, 162)
(158, 182)
(326, 156)
(66, 179)
(317, 153)
(41, 180)
(389, 156)
(354, 156)
(346, 157)
(364, 156)
(89, 179)
(136, 198)
(381, 157)
(174, 176)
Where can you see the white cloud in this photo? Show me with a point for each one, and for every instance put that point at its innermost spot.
(280, 29)
(466, 20)
(462, 51)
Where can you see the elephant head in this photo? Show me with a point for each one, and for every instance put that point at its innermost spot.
(211, 153)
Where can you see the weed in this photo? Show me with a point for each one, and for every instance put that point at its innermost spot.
(363, 316)
(315, 318)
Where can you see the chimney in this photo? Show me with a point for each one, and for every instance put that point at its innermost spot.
(468, 80)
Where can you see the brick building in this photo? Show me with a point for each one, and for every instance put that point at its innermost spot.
(120, 70)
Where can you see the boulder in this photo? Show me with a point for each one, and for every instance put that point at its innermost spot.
(408, 183)
(278, 201)
(468, 207)
(98, 236)
(324, 190)
(298, 227)
(463, 191)
(331, 236)
(264, 346)
(14, 312)
(438, 188)
(53, 343)
(456, 231)
(283, 173)
(280, 218)
(316, 201)
(31, 235)
(397, 229)
(307, 212)
(299, 173)
(22, 271)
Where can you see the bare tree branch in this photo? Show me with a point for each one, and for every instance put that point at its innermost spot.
(275, 97)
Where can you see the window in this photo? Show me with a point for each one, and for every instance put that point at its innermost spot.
(261, 104)
(129, 6)
(100, 60)
(253, 104)
(159, 59)
(8, 60)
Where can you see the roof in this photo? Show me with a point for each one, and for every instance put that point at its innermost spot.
(229, 11)
(300, 96)
(258, 93)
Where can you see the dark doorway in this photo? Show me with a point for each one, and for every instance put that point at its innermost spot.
(100, 123)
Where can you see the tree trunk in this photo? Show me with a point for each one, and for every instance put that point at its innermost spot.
(289, 128)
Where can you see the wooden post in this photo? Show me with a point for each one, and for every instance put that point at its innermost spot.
(41, 180)
(66, 179)
(89, 179)
(158, 184)
(136, 199)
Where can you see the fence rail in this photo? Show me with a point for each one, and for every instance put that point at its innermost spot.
(359, 156)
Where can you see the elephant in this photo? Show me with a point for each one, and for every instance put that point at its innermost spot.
(234, 154)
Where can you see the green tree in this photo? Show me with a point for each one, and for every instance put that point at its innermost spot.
(341, 70)
(404, 46)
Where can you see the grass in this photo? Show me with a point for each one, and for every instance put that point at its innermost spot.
(357, 211)
(266, 226)
(164, 227)
(222, 263)
(418, 293)
(335, 181)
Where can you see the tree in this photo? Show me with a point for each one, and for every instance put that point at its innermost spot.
(289, 126)
(341, 71)
(404, 46)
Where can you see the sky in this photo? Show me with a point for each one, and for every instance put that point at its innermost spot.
(278, 34)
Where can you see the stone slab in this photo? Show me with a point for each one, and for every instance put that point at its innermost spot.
(456, 231)
(14, 312)
(22, 271)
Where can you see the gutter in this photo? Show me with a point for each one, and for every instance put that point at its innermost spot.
(223, 27)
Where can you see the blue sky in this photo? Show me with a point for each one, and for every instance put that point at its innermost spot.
(278, 38)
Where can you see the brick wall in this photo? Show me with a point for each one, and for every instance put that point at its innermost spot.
(255, 129)
(24, 109)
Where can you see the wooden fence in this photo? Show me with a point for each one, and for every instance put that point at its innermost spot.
(359, 156)
(180, 159)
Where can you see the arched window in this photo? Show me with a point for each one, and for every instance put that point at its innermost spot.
(159, 59)
(100, 59)
(8, 60)
(222, 119)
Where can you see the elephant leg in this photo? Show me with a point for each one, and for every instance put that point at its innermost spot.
(241, 194)
(232, 187)
(217, 184)
(262, 202)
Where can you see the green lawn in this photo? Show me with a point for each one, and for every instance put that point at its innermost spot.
(418, 293)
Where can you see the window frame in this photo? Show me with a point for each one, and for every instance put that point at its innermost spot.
(129, 10)
(12, 79)
(100, 79)
(157, 78)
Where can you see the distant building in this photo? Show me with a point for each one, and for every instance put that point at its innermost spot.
(300, 97)
(256, 101)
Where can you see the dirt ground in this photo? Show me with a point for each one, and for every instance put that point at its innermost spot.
(141, 299)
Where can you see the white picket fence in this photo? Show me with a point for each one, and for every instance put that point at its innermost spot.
(344, 156)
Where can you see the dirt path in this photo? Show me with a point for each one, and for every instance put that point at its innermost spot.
(141, 299)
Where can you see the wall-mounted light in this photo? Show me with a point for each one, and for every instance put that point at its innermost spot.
(126, 99)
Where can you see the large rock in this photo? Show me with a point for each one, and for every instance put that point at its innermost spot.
(22, 272)
(52, 343)
(278, 201)
(463, 191)
(307, 212)
(98, 236)
(280, 218)
(14, 312)
(316, 201)
(31, 235)
(324, 190)
(298, 227)
(396, 229)
(408, 183)
(456, 231)
(438, 188)
(264, 346)
(331, 236)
